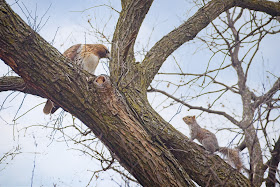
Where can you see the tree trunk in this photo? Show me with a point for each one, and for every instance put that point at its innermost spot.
(115, 108)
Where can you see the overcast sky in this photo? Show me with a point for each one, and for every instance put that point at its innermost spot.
(64, 24)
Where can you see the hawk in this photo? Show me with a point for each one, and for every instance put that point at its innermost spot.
(87, 57)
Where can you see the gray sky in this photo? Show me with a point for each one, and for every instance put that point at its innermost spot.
(55, 162)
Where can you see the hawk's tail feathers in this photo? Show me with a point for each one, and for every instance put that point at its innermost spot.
(48, 107)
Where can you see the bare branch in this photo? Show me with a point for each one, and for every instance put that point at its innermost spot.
(103, 5)
(188, 30)
(230, 118)
(269, 94)
(185, 32)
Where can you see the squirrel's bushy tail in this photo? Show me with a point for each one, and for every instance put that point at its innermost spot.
(233, 156)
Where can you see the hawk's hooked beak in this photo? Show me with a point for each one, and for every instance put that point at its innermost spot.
(108, 55)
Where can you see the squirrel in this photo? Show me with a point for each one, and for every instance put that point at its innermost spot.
(210, 142)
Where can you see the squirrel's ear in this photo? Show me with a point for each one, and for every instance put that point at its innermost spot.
(193, 117)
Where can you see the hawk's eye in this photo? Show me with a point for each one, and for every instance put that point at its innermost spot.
(107, 51)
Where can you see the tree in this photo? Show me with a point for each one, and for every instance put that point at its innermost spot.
(116, 108)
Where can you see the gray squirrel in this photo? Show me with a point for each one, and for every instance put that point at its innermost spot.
(210, 142)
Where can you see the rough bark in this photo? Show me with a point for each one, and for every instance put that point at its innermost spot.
(13, 83)
(272, 164)
(116, 108)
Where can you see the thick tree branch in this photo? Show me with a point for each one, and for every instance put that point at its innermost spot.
(13, 83)
(269, 7)
(123, 67)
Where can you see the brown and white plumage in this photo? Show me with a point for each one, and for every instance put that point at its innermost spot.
(87, 56)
